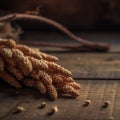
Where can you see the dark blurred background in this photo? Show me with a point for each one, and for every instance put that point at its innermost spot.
(75, 14)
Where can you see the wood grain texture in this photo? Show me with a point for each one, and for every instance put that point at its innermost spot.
(92, 65)
(98, 75)
(95, 90)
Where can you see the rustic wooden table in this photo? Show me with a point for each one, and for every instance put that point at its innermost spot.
(98, 74)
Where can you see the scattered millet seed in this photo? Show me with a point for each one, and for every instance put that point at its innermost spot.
(87, 102)
(54, 109)
(28, 101)
(43, 104)
(111, 118)
(106, 103)
(19, 109)
(25, 117)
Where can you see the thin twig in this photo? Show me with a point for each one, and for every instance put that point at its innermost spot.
(75, 47)
(85, 43)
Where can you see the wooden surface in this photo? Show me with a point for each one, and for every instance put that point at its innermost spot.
(97, 91)
(98, 75)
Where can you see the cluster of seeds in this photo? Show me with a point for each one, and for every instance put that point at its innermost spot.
(22, 65)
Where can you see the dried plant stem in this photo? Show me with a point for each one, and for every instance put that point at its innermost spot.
(75, 47)
(85, 43)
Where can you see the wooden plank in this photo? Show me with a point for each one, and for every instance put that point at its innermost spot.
(92, 65)
(69, 109)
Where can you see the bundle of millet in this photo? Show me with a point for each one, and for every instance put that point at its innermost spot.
(21, 65)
